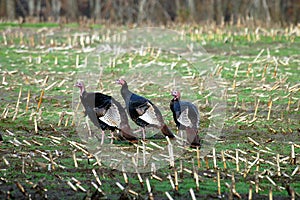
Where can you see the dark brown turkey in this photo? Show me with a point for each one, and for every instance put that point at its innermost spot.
(186, 117)
(142, 111)
(105, 112)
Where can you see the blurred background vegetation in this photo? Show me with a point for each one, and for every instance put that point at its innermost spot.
(221, 12)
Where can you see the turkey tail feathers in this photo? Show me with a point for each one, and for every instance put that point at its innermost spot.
(166, 131)
(127, 133)
(193, 137)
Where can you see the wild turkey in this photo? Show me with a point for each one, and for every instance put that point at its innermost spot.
(105, 112)
(186, 117)
(142, 111)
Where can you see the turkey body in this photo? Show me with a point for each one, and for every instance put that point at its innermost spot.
(186, 117)
(142, 111)
(96, 106)
(105, 112)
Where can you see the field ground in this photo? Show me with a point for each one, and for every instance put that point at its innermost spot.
(258, 151)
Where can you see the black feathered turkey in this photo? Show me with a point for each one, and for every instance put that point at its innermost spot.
(142, 111)
(186, 117)
(105, 112)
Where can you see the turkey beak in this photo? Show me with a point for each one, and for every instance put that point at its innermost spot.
(118, 81)
(77, 84)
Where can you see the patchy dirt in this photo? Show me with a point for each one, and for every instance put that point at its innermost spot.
(42, 156)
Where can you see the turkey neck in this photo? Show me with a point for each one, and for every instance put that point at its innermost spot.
(175, 100)
(126, 93)
(82, 90)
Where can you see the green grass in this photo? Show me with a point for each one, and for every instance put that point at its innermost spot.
(227, 47)
(28, 25)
